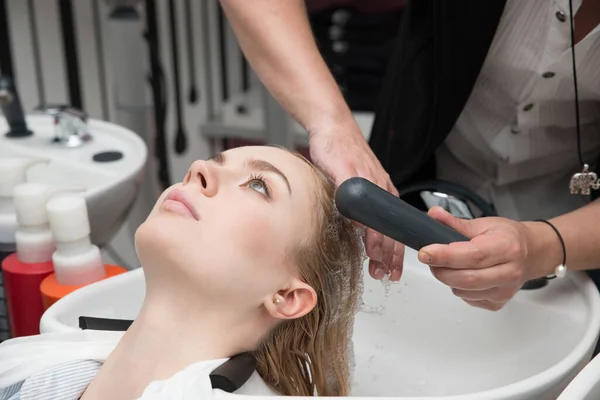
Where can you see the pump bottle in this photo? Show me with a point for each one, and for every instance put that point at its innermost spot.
(77, 262)
(25, 269)
(13, 171)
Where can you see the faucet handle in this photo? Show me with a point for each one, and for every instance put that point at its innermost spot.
(70, 124)
(61, 109)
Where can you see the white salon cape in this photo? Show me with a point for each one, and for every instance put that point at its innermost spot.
(60, 366)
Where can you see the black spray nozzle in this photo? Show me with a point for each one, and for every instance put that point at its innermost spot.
(12, 109)
(366, 203)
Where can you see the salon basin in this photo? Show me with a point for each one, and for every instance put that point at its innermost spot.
(428, 344)
(108, 168)
(586, 385)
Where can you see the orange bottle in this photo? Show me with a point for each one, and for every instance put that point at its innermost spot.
(77, 262)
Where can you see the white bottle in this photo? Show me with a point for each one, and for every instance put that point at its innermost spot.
(34, 240)
(76, 260)
(13, 172)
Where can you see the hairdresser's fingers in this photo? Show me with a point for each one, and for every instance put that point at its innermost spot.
(483, 251)
(395, 275)
(397, 264)
(387, 248)
(487, 305)
(374, 245)
(390, 186)
(505, 275)
(466, 279)
(494, 295)
(377, 270)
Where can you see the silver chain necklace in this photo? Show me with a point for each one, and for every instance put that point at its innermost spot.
(582, 182)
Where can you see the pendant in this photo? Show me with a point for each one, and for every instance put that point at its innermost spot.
(582, 182)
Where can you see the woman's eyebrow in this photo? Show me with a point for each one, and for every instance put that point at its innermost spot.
(257, 165)
(265, 166)
(218, 158)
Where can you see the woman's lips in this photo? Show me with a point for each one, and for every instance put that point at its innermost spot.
(178, 201)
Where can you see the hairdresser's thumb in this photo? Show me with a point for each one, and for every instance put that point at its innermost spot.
(458, 224)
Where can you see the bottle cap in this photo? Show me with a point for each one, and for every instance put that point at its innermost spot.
(30, 203)
(80, 268)
(13, 172)
(68, 217)
(34, 239)
(36, 246)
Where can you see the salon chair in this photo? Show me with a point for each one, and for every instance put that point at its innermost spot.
(229, 377)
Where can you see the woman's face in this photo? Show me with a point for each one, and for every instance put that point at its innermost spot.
(230, 228)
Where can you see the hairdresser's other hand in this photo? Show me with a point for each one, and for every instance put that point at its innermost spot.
(487, 271)
(344, 153)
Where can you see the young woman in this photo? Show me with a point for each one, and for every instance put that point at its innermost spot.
(248, 253)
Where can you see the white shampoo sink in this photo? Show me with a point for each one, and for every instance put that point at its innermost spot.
(586, 385)
(108, 168)
(429, 344)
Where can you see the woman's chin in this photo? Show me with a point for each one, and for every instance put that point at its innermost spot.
(156, 242)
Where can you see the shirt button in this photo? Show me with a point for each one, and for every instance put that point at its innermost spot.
(548, 74)
(335, 32)
(528, 107)
(561, 16)
(339, 47)
(340, 17)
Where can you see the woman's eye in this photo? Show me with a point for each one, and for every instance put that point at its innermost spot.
(259, 186)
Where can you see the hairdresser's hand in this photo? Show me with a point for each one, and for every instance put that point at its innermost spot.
(487, 271)
(343, 154)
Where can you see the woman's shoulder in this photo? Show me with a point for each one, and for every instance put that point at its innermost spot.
(26, 357)
(66, 381)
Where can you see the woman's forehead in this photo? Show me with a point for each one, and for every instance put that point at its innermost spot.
(296, 170)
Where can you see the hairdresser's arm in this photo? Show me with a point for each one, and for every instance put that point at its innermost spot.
(503, 254)
(580, 231)
(276, 38)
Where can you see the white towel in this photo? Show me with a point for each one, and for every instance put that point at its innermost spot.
(61, 365)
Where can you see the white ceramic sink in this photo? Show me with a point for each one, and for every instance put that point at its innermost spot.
(110, 187)
(586, 385)
(431, 343)
(428, 344)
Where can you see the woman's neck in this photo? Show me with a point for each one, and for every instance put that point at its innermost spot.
(170, 333)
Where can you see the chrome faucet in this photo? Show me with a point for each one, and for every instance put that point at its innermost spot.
(70, 125)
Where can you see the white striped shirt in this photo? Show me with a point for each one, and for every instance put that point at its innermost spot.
(61, 365)
(67, 381)
(515, 143)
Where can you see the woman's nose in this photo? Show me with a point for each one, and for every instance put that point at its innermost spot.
(201, 173)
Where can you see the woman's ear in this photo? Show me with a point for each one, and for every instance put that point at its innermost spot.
(294, 302)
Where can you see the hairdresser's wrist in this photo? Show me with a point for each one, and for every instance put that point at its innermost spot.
(336, 122)
(544, 250)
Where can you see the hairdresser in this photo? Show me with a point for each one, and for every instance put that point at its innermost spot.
(480, 94)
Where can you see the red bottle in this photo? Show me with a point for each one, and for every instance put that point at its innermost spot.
(25, 270)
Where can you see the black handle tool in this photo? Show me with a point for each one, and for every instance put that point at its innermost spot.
(366, 203)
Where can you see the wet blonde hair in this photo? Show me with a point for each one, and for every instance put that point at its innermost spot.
(312, 354)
